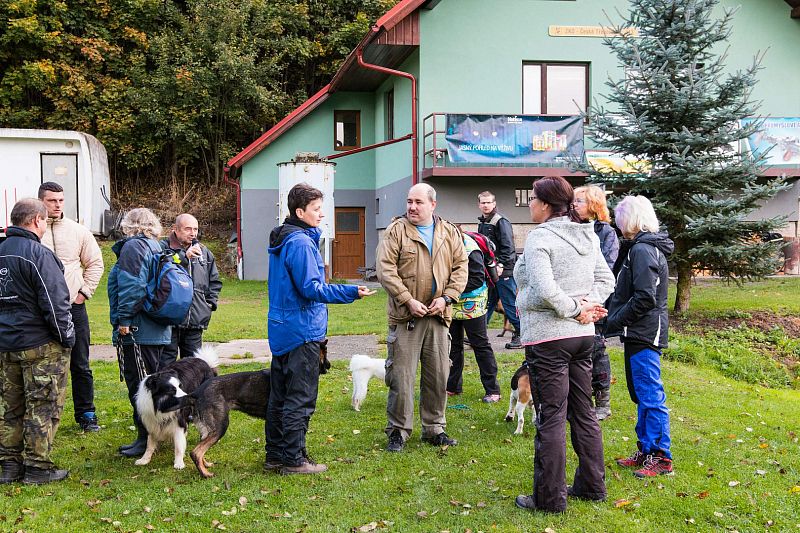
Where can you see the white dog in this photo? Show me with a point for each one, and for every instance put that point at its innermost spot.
(362, 369)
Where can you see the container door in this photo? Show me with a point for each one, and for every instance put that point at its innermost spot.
(63, 169)
(349, 243)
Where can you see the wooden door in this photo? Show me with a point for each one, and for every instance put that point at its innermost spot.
(349, 243)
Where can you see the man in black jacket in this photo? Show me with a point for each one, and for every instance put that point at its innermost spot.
(199, 262)
(36, 335)
(499, 230)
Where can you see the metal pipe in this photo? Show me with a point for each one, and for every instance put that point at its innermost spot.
(392, 72)
(226, 179)
(370, 147)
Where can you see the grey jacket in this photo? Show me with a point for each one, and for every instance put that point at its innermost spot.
(562, 264)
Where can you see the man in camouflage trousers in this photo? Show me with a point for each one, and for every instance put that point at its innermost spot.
(36, 335)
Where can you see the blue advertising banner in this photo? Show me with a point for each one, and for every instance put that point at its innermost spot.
(513, 138)
(779, 138)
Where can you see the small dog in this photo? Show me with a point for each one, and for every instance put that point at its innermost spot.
(247, 392)
(520, 398)
(362, 369)
(161, 406)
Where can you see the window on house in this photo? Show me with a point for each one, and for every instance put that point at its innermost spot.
(389, 118)
(347, 130)
(555, 88)
(523, 197)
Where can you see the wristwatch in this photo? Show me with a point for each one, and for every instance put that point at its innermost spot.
(447, 299)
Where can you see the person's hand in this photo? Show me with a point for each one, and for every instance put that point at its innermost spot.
(417, 308)
(194, 251)
(438, 305)
(80, 298)
(591, 312)
(499, 270)
(124, 330)
(363, 290)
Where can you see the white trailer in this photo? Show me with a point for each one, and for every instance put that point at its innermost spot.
(76, 161)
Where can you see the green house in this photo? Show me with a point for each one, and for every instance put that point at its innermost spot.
(468, 59)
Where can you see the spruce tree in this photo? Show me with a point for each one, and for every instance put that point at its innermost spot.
(676, 108)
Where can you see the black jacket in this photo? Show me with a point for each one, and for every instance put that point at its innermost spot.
(207, 284)
(638, 308)
(609, 243)
(499, 230)
(34, 299)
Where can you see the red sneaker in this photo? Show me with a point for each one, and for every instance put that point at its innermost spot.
(636, 459)
(655, 465)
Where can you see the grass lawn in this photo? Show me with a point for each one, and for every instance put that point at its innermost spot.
(736, 459)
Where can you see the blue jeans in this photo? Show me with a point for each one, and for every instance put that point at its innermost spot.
(506, 291)
(643, 373)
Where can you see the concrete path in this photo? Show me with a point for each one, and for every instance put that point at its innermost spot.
(339, 347)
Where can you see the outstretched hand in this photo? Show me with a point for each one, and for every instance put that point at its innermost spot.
(363, 290)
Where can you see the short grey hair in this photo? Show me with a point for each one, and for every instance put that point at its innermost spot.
(430, 191)
(181, 219)
(141, 220)
(25, 211)
(634, 214)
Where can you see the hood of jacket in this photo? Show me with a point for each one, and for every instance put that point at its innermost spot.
(658, 240)
(579, 236)
(293, 228)
(117, 247)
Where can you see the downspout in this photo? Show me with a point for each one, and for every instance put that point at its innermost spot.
(226, 179)
(392, 72)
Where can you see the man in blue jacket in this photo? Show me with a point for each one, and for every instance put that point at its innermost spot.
(36, 335)
(297, 323)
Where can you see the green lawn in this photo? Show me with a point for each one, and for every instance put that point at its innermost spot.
(735, 445)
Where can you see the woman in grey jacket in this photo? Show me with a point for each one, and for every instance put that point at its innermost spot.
(562, 278)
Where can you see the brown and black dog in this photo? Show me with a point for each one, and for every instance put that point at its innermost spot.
(247, 392)
(520, 397)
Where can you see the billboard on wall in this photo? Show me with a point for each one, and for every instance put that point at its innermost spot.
(779, 138)
(513, 138)
(606, 162)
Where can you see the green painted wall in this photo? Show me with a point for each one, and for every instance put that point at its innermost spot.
(315, 134)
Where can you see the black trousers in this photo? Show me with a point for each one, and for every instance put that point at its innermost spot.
(561, 384)
(601, 364)
(294, 381)
(484, 355)
(187, 340)
(150, 357)
(80, 372)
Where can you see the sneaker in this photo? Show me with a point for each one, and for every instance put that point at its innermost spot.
(396, 443)
(636, 459)
(272, 465)
(515, 343)
(88, 422)
(591, 498)
(491, 398)
(440, 439)
(306, 467)
(655, 465)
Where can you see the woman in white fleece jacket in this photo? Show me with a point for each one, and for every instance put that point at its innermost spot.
(562, 279)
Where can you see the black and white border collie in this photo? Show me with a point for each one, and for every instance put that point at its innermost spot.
(161, 405)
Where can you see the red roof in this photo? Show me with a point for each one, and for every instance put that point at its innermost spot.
(386, 22)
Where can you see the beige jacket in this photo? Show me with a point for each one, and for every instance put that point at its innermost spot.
(407, 270)
(78, 250)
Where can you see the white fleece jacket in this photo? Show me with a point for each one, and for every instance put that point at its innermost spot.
(78, 250)
(561, 265)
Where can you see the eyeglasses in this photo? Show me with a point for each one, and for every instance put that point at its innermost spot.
(580, 200)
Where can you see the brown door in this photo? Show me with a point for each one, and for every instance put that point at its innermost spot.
(349, 243)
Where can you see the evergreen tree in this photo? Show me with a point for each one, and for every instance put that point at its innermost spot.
(677, 112)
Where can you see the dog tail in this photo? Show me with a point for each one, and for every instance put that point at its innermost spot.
(208, 354)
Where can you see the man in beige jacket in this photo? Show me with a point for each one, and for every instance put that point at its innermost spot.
(77, 249)
(422, 264)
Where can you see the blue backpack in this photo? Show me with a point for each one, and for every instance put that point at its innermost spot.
(169, 290)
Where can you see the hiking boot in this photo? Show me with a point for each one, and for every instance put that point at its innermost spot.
(134, 449)
(590, 498)
(40, 476)
(440, 439)
(12, 471)
(306, 467)
(88, 422)
(525, 502)
(515, 343)
(602, 404)
(272, 465)
(491, 398)
(653, 466)
(636, 459)
(396, 443)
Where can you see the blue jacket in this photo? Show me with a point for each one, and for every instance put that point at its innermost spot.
(34, 299)
(127, 283)
(297, 289)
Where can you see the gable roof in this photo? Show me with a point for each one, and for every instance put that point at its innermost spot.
(398, 24)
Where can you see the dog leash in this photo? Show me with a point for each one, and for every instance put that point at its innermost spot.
(137, 356)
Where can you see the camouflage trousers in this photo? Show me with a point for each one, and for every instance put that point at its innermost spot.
(33, 384)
